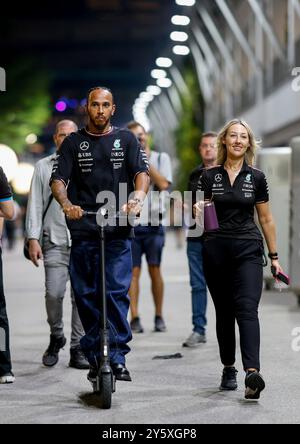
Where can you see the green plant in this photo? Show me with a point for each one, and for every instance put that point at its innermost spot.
(189, 131)
(25, 106)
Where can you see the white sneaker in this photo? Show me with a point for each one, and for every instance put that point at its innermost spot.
(7, 379)
(194, 340)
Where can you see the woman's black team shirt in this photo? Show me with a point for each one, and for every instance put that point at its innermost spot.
(235, 204)
(91, 164)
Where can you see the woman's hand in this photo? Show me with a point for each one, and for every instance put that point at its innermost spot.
(198, 210)
(275, 263)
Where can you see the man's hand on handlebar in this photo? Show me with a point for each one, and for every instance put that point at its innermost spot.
(73, 212)
(133, 207)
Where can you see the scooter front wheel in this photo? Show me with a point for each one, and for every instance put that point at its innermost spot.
(105, 390)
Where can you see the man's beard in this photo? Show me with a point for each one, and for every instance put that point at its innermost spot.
(100, 125)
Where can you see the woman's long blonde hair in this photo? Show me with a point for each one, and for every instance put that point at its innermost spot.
(222, 150)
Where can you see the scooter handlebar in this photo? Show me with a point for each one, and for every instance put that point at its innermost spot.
(119, 215)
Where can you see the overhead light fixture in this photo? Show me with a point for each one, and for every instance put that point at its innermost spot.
(154, 90)
(180, 20)
(158, 73)
(138, 115)
(142, 119)
(185, 2)
(164, 62)
(139, 102)
(179, 36)
(164, 82)
(146, 96)
(181, 50)
(138, 109)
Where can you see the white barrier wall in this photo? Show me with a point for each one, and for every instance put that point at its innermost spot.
(294, 259)
(276, 164)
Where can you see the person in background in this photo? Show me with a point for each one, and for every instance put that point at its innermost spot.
(49, 239)
(208, 154)
(233, 254)
(7, 211)
(149, 238)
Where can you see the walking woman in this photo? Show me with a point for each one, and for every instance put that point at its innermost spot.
(233, 254)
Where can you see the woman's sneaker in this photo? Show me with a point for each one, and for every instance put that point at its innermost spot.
(228, 381)
(254, 385)
(8, 378)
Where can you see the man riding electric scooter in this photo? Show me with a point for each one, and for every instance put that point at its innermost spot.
(96, 164)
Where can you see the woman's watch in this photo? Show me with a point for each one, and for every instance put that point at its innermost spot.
(273, 256)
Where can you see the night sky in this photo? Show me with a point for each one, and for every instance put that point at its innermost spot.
(86, 43)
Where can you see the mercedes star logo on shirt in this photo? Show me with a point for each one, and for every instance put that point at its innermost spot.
(84, 146)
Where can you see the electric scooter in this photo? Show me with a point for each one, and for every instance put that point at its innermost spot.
(105, 383)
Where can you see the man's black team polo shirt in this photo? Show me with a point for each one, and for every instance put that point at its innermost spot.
(89, 164)
(235, 204)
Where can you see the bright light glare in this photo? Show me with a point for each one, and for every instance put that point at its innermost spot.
(140, 105)
(180, 20)
(181, 50)
(8, 161)
(154, 90)
(185, 2)
(158, 73)
(31, 138)
(142, 119)
(164, 83)
(61, 106)
(137, 109)
(147, 97)
(164, 62)
(22, 179)
(178, 36)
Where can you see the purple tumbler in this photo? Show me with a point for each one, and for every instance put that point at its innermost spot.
(210, 217)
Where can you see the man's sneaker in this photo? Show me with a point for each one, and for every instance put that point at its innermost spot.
(254, 385)
(159, 324)
(92, 374)
(136, 326)
(228, 381)
(50, 357)
(194, 340)
(77, 358)
(8, 378)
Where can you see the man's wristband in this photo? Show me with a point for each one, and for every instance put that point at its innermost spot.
(273, 256)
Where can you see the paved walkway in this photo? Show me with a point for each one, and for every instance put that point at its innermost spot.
(163, 391)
